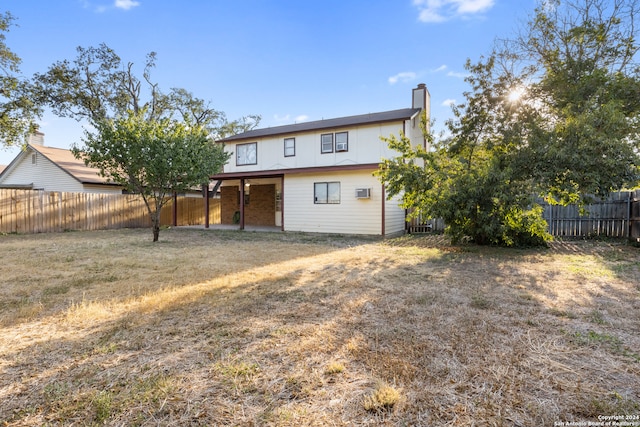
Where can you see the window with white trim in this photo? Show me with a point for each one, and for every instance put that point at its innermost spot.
(326, 193)
(326, 142)
(289, 147)
(247, 154)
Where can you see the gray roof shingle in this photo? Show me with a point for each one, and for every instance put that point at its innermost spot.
(362, 119)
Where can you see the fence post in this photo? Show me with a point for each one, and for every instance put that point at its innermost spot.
(628, 231)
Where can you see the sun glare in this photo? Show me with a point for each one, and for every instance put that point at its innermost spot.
(515, 94)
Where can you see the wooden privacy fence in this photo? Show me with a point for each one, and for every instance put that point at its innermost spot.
(613, 217)
(36, 211)
(617, 216)
(190, 211)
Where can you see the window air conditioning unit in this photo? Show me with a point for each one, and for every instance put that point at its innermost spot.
(363, 193)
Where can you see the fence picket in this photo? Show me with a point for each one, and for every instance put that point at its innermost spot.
(37, 211)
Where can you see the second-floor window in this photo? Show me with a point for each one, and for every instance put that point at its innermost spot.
(326, 142)
(342, 141)
(289, 147)
(247, 154)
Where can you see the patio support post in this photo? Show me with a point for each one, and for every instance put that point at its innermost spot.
(242, 204)
(206, 205)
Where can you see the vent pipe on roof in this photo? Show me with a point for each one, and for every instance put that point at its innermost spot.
(36, 138)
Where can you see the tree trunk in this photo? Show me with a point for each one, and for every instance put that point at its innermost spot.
(155, 220)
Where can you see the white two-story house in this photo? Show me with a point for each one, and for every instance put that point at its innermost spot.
(318, 176)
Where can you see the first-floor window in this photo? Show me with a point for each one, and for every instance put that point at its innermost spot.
(326, 192)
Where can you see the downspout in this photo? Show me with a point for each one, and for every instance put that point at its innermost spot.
(282, 203)
(383, 211)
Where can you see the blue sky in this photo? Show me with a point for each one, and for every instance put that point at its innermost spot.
(287, 61)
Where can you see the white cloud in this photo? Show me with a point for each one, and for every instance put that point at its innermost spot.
(473, 6)
(117, 4)
(281, 119)
(404, 77)
(440, 68)
(430, 15)
(444, 10)
(126, 4)
(286, 119)
(448, 102)
(458, 75)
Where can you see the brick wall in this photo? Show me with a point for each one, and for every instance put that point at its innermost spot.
(261, 209)
(228, 204)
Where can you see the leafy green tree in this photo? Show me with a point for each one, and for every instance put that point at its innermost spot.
(570, 135)
(581, 57)
(152, 143)
(18, 112)
(97, 85)
(154, 158)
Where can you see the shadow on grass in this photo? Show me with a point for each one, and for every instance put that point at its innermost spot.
(462, 335)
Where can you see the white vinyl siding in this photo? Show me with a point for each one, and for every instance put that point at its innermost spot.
(394, 217)
(364, 146)
(350, 216)
(43, 174)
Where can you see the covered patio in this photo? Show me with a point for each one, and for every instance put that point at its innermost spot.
(251, 201)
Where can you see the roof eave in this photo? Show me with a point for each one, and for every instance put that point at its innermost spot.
(359, 120)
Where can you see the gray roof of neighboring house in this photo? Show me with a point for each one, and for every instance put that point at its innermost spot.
(362, 119)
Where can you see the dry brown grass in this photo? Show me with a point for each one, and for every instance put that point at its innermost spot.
(247, 329)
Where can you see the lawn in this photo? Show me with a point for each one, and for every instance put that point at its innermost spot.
(248, 329)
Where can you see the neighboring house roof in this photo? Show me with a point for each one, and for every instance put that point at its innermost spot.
(74, 167)
(65, 160)
(362, 119)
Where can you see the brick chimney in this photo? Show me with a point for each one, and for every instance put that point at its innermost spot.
(36, 138)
